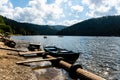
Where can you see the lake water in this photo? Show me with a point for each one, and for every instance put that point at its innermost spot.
(100, 55)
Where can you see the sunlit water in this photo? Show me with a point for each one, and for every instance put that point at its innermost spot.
(100, 55)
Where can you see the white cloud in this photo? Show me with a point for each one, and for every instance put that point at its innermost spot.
(3, 2)
(100, 7)
(91, 14)
(87, 2)
(6, 8)
(51, 23)
(41, 10)
(103, 9)
(70, 22)
(65, 0)
(59, 11)
(58, 2)
(47, 10)
(70, 3)
(77, 8)
(37, 11)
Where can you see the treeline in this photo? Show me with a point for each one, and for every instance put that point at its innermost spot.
(104, 26)
(28, 29)
(3, 27)
(14, 27)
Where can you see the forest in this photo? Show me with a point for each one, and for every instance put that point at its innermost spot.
(14, 27)
(102, 26)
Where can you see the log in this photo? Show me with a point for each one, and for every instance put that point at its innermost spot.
(80, 73)
(38, 60)
(86, 75)
(31, 52)
(12, 49)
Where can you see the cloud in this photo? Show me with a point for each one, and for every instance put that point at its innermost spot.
(40, 9)
(77, 8)
(66, 12)
(37, 11)
(6, 8)
(51, 23)
(101, 7)
(70, 22)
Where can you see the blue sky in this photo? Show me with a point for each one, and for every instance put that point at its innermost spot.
(19, 3)
(57, 12)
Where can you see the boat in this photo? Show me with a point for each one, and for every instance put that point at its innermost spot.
(45, 37)
(34, 47)
(68, 56)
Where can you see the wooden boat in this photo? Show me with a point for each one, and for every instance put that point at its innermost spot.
(68, 56)
(33, 47)
(45, 37)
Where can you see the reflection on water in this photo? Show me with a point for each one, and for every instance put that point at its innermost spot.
(100, 55)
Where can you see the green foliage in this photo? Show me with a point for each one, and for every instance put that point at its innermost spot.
(24, 28)
(104, 26)
(1, 21)
(5, 28)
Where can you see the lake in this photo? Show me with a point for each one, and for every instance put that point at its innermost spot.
(100, 55)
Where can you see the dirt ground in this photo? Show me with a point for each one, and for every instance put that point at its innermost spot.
(9, 70)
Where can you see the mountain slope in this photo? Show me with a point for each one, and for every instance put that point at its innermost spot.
(29, 29)
(58, 27)
(104, 26)
(14, 27)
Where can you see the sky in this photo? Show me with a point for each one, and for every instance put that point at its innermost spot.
(57, 12)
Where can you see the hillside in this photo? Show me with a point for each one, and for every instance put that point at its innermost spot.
(14, 27)
(4, 27)
(104, 26)
(58, 27)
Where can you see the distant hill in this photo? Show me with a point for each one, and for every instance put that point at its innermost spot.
(104, 26)
(58, 27)
(14, 27)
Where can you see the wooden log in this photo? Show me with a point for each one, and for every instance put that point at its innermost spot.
(31, 52)
(12, 49)
(81, 73)
(38, 60)
(86, 75)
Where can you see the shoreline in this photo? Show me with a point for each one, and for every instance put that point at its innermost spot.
(9, 70)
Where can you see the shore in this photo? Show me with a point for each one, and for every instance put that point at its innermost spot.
(9, 70)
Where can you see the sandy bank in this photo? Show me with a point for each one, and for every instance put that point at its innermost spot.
(10, 71)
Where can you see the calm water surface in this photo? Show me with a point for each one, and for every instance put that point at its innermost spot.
(100, 55)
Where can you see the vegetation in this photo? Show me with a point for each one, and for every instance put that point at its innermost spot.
(104, 26)
(8, 25)
(3, 27)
